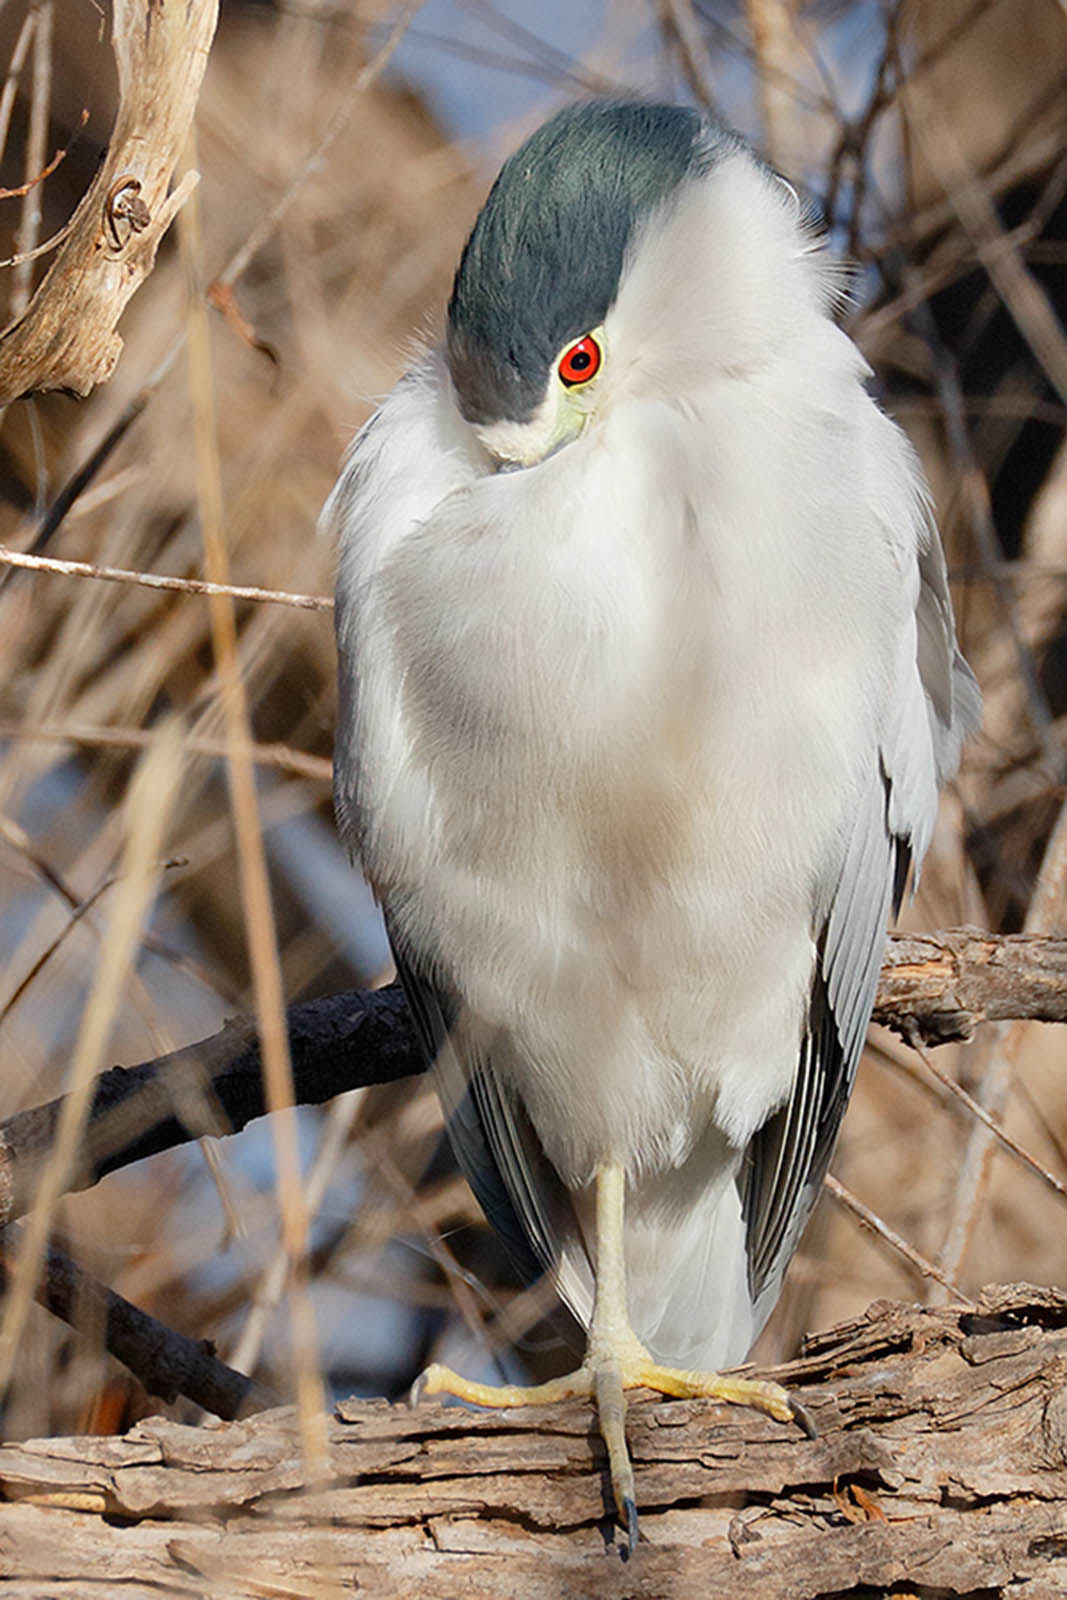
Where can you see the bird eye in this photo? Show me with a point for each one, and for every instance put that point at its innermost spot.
(580, 362)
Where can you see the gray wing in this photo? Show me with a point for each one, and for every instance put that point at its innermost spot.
(787, 1159)
(514, 1183)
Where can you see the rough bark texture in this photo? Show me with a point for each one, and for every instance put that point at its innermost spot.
(67, 338)
(940, 1470)
(947, 983)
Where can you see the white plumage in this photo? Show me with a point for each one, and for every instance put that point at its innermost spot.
(630, 740)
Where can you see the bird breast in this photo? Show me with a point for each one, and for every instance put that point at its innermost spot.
(627, 703)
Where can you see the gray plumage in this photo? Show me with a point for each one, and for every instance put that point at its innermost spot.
(636, 743)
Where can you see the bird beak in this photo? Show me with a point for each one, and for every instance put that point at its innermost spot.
(557, 422)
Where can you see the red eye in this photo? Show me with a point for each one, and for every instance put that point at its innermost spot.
(580, 362)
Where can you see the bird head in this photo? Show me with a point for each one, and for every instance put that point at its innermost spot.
(529, 343)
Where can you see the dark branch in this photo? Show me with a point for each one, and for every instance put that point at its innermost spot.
(167, 1363)
(940, 985)
(213, 1087)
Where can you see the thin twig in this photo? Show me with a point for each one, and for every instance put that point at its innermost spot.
(15, 66)
(31, 183)
(979, 1111)
(870, 1219)
(79, 909)
(166, 1362)
(158, 580)
(75, 486)
(317, 769)
(36, 144)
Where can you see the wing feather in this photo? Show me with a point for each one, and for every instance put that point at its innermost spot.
(496, 1147)
(938, 705)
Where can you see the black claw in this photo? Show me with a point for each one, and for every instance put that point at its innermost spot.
(802, 1418)
(629, 1511)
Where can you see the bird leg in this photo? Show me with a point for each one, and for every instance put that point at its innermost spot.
(615, 1360)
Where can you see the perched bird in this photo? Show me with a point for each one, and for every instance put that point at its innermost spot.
(648, 680)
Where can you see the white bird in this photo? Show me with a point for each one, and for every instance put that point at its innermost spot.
(648, 681)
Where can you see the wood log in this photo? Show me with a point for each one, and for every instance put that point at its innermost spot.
(940, 1469)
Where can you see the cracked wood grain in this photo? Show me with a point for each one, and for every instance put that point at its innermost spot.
(941, 1462)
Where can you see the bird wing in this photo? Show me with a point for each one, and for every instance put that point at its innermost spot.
(514, 1183)
(937, 704)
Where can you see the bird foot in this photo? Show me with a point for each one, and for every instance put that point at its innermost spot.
(604, 1376)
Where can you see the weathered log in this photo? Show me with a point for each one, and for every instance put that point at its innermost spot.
(940, 1469)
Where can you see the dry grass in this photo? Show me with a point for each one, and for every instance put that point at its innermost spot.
(933, 137)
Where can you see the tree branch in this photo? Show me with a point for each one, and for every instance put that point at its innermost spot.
(66, 339)
(940, 985)
(213, 1087)
(167, 1363)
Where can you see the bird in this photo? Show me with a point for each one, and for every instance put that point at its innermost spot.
(648, 682)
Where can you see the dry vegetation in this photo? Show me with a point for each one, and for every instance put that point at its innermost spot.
(330, 210)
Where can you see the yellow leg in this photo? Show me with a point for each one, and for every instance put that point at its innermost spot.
(615, 1360)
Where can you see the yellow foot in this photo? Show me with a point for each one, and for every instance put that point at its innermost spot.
(604, 1377)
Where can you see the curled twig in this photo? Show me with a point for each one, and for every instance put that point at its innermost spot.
(124, 204)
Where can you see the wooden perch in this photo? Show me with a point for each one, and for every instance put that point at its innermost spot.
(943, 985)
(66, 339)
(940, 1468)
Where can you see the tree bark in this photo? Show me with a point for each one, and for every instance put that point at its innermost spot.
(67, 337)
(940, 1469)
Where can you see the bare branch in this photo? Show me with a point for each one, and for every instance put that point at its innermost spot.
(873, 1222)
(944, 984)
(211, 1088)
(167, 1363)
(940, 986)
(160, 580)
(66, 339)
(316, 769)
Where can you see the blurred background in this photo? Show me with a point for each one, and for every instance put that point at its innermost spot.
(931, 140)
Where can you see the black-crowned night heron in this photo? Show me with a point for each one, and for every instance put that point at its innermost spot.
(648, 679)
